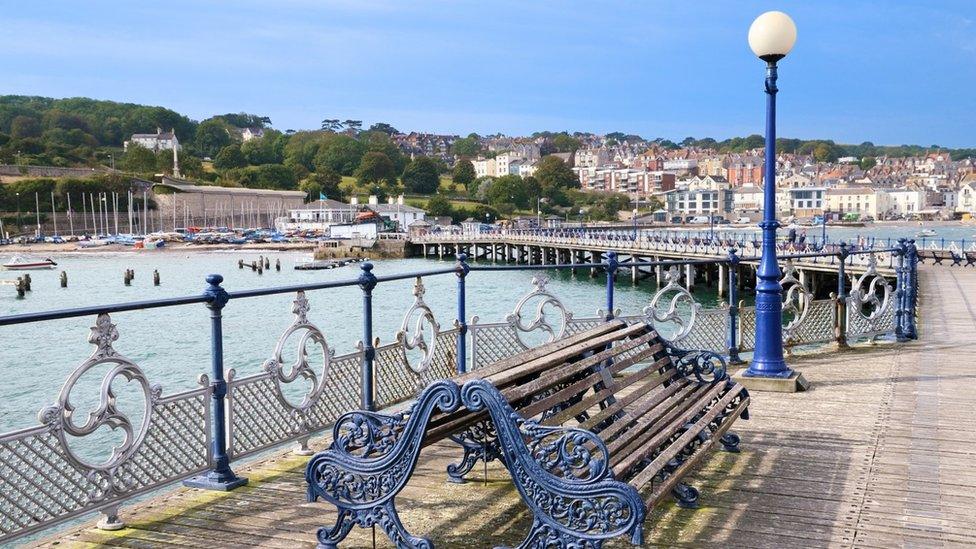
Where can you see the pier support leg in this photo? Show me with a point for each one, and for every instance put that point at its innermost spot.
(721, 280)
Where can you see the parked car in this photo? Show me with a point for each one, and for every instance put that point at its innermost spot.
(743, 220)
(676, 219)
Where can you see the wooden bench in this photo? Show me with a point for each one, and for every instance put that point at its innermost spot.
(594, 429)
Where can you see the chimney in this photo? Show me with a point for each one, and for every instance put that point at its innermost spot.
(373, 200)
(400, 200)
(354, 200)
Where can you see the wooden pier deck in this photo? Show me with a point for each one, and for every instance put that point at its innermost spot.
(879, 453)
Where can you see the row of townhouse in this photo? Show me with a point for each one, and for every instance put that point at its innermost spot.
(506, 163)
(806, 200)
(636, 183)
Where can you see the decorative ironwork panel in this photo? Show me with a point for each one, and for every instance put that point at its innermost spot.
(747, 328)
(395, 381)
(870, 307)
(817, 325)
(49, 474)
(544, 304)
(710, 331)
(259, 419)
(577, 325)
(493, 342)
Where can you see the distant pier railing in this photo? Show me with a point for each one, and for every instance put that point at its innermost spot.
(194, 436)
(641, 239)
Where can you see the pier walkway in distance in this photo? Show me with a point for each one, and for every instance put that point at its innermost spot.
(878, 453)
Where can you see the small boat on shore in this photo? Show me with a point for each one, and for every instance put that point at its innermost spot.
(21, 263)
(926, 233)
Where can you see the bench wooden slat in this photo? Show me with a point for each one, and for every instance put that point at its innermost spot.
(633, 398)
(511, 375)
(641, 441)
(617, 385)
(672, 450)
(543, 352)
(663, 489)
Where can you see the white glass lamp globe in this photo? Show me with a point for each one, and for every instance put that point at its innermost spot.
(772, 35)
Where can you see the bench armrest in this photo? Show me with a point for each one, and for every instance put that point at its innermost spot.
(563, 476)
(698, 365)
(372, 455)
(572, 454)
(367, 434)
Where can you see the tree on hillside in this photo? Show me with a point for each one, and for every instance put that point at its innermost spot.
(331, 125)
(868, 162)
(211, 137)
(753, 141)
(230, 157)
(260, 151)
(383, 127)
(139, 159)
(467, 146)
(463, 173)
(340, 153)
(507, 189)
(25, 126)
(438, 206)
(353, 125)
(421, 176)
(380, 142)
(554, 178)
(564, 142)
(244, 120)
(272, 176)
(376, 168)
(328, 184)
(823, 152)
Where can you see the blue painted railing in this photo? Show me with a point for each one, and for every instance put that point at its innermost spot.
(195, 436)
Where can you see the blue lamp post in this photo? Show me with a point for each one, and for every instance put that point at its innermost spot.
(771, 37)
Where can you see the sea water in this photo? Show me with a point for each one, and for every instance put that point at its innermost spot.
(172, 344)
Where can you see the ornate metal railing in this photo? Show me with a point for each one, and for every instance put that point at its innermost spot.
(48, 474)
(675, 243)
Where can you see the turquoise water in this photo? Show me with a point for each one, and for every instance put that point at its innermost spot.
(172, 345)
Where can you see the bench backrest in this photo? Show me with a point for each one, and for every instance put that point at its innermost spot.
(559, 381)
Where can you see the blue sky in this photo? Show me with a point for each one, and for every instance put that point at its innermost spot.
(890, 72)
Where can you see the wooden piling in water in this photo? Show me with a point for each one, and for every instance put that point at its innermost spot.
(155, 277)
(278, 265)
(21, 291)
(27, 282)
(64, 279)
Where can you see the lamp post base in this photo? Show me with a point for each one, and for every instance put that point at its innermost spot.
(792, 384)
(211, 481)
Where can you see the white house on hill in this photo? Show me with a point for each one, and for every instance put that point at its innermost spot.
(159, 141)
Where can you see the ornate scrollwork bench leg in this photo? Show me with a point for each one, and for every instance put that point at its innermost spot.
(563, 475)
(370, 460)
(479, 442)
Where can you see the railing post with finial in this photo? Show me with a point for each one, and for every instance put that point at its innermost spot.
(901, 290)
(842, 255)
(611, 265)
(367, 281)
(912, 297)
(462, 272)
(220, 476)
(734, 308)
